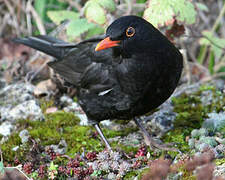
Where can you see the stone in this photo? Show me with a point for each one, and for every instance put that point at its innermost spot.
(6, 128)
(28, 109)
(60, 148)
(17, 102)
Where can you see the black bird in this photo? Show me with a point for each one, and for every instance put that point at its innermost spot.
(132, 70)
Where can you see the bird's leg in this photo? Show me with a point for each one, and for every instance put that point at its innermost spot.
(97, 127)
(150, 141)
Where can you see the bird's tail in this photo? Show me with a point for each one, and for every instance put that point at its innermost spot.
(44, 44)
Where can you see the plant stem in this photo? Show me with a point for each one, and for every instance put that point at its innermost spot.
(218, 19)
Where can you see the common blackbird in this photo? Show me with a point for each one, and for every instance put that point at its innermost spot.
(132, 70)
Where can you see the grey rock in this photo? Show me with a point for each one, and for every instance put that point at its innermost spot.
(17, 102)
(17, 93)
(24, 135)
(66, 100)
(6, 128)
(161, 121)
(61, 147)
(28, 109)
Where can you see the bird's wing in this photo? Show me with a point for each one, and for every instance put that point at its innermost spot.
(78, 63)
(85, 68)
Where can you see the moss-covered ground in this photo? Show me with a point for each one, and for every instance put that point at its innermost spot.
(63, 125)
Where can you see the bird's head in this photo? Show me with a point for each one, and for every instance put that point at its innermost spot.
(131, 34)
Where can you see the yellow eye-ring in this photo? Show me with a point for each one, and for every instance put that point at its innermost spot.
(130, 32)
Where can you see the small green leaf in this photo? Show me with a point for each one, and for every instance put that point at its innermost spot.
(94, 12)
(202, 7)
(53, 167)
(107, 4)
(161, 12)
(77, 27)
(216, 43)
(58, 16)
(39, 6)
(96, 30)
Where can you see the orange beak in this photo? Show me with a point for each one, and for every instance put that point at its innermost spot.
(105, 44)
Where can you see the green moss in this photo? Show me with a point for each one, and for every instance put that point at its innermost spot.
(111, 134)
(127, 149)
(123, 122)
(206, 87)
(6, 148)
(45, 104)
(136, 173)
(178, 136)
(190, 111)
(63, 125)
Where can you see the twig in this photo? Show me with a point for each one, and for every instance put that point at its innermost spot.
(186, 64)
(59, 28)
(222, 12)
(74, 4)
(37, 18)
(11, 11)
(200, 36)
(129, 7)
(210, 78)
(19, 169)
(28, 17)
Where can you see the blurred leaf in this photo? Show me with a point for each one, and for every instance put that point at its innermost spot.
(94, 12)
(96, 30)
(53, 167)
(211, 63)
(202, 7)
(221, 69)
(141, 1)
(161, 12)
(1, 167)
(79, 26)
(58, 16)
(216, 43)
(107, 4)
(39, 6)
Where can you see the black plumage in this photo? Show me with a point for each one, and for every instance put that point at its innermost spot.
(129, 73)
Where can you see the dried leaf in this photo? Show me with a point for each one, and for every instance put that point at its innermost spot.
(44, 87)
(175, 31)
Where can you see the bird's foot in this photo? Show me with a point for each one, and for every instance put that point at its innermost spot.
(155, 145)
(151, 142)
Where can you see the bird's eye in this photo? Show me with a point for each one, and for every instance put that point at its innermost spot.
(130, 32)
